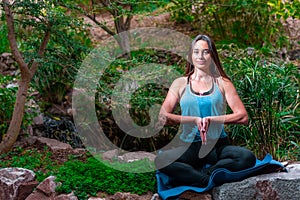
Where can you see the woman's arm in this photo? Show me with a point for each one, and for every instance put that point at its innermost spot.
(166, 115)
(239, 114)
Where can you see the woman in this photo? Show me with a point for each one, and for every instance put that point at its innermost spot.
(202, 94)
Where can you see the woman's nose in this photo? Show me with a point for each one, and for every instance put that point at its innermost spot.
(200, 55)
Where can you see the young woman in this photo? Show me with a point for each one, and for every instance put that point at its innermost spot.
(202, 94)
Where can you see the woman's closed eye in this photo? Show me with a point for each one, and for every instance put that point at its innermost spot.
(203, 52)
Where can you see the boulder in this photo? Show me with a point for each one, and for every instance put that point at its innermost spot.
(109, 155)
(124, 196)
(137, 155)
(25, 189)
(45, 190)
(189, 195)
(275, 186)
(10, 181)
(47, 186)
(70, 196)
(54, 145)
(129, 156)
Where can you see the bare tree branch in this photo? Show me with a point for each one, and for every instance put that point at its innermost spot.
(12, 38)
(128, 19)
(93, 18)
(42, 49)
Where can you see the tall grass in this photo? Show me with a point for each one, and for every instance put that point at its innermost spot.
(270, 92)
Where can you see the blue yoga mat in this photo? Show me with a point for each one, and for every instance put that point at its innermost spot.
(218, 177)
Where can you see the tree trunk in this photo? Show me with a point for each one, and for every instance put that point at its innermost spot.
(26, 76)
(123, 37)
(124, 43)
(14, 127)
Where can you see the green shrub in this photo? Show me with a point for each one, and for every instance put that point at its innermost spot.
(4, 43)
(269, 89)
(7, 100)
(93, 176)
(56, 73)
(8, 92)
(38, 161)
(140, 101)
(65, 50)
(247, 23)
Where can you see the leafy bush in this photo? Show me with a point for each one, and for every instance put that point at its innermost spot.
(68, 45)
(140, 101)
(247, 23)
(7, 101)
(4, 44)
(270, 92)
(56, 74)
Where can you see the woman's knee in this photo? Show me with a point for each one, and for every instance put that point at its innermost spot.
(247, 158)
(158, 161)
(163, 159)
(243, 157)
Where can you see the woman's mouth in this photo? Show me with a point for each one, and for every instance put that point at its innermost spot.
(200, 62)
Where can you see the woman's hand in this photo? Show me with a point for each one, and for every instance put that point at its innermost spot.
(162, 119)
(203, 124)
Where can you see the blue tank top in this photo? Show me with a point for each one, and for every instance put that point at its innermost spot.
(193, 104)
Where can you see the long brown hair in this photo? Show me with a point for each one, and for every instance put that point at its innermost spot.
(214, 54)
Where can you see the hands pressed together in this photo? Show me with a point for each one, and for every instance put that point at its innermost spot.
(203, 125)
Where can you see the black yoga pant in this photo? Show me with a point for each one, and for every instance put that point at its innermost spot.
(186, 170)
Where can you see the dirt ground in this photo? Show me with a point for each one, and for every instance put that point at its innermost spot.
(162, 20)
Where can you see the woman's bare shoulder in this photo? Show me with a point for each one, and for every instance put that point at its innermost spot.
(180, 81)
(224, 84)
(178, 86)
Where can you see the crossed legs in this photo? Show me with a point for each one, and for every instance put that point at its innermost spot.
(185, 169)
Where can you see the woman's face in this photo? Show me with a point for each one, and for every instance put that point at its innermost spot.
(201, 55)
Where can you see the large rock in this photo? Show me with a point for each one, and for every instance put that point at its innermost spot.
(129, 156)
(110, 155)
(70, 196)
(19, 184)
(54, 145)
(274, 186)
(11, 179)
(46, 191)
(124, 196)
(47, 186)
(25, 189)
(189, 195)
(137, 155)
